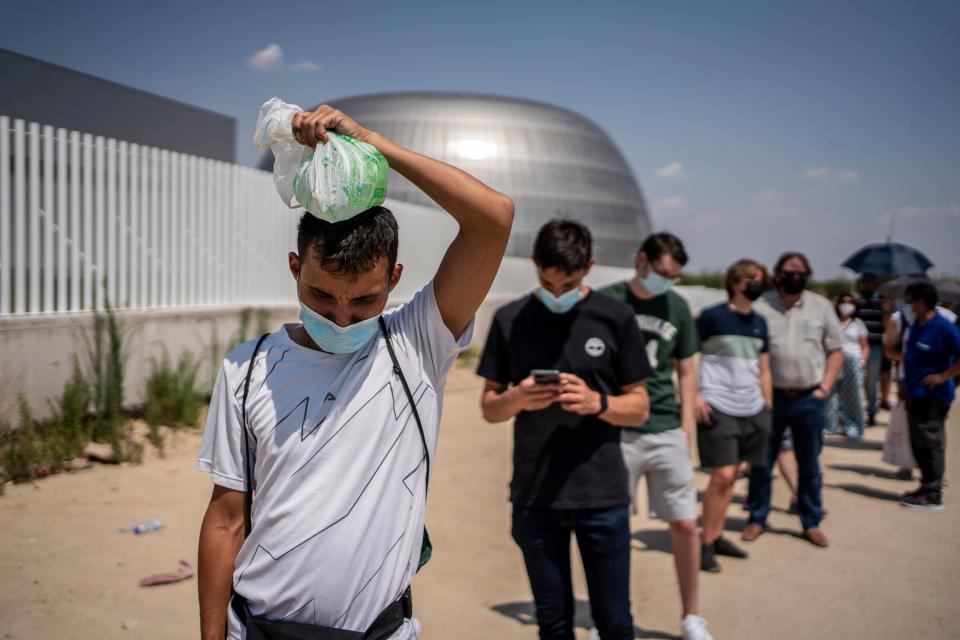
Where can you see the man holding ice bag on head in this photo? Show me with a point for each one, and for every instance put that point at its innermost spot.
(320, 436)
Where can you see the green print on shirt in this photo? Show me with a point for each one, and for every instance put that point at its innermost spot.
(669, 334)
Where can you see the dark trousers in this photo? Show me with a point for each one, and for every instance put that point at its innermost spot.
(806, 417)
(926, 417)
(874, 362)
(603, 536)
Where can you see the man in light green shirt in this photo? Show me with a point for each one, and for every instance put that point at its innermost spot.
(658, 450)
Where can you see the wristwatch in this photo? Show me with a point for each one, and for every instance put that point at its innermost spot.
(603, 404)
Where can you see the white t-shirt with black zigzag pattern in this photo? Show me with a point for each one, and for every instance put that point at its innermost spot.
(338, 466)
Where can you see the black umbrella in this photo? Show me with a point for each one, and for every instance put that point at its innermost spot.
(888, 260)
(948, 291)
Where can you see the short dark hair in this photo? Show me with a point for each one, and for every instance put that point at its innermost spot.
(790, 255)
(563, 244)
(353, 246)
(658, 244)
(739, 271)
(922, 291)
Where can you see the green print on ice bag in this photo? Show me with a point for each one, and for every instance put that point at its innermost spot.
(335, 181)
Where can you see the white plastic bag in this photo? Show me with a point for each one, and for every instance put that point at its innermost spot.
(335, 181)
(896, 445)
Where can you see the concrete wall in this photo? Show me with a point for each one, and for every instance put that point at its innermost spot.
(38, 351)
(38, 91)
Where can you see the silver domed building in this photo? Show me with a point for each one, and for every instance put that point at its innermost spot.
(551, 161)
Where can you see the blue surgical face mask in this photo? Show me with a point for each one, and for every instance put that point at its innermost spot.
(333, 338)
(656, 284)
(908, 315)
(559, 304)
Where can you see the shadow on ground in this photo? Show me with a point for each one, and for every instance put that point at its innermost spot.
(867, 492)
(866, 470)
(524, 613)
(846, 443)
(659, 539)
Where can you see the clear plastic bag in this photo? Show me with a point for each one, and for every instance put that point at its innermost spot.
(896, 445)
(335, 181)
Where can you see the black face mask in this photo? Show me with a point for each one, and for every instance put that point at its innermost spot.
(753, 290)
(792, 283)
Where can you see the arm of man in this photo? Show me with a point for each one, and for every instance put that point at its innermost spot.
(221, 536)
(687, 378)
(830, 373)
(937, 379)
(766, 379)
(485, 216)
(952, 349)
(629, 409)
(500, 402)
(832, 341)
(891, 339)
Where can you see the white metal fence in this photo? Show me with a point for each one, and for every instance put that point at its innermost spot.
(83, 217)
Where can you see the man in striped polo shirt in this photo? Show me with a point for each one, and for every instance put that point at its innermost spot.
(736, 393)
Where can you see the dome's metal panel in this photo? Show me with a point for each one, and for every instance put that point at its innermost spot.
(551, 161)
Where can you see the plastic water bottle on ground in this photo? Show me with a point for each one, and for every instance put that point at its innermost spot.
(147, 527)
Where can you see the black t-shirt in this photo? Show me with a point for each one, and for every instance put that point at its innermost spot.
(562, 460)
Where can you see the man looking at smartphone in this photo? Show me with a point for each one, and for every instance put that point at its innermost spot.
(568, 472)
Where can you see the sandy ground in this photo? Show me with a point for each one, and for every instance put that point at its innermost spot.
(65, 572)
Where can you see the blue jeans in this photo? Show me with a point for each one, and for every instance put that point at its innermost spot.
(603, 536)
(806, 417)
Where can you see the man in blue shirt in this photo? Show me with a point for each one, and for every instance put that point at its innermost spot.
(931, 360)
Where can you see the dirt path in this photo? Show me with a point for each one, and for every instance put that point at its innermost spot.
(889, 573)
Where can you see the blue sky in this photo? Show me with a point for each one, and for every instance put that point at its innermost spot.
(753, 127)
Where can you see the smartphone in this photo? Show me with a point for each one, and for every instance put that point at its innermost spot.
(546, 376)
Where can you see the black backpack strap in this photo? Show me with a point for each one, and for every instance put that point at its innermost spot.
(247, 433)
(406, 388)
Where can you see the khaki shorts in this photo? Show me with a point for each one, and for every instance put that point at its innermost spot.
(664, 458)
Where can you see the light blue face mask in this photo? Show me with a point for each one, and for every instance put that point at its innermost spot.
(333, 338)
(657, 284)
(559, 304)
(908, 315)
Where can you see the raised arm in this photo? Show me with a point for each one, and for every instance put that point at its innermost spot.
(484, 215)
(221, 536)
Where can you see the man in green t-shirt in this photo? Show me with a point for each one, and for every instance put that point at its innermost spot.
(659, 449)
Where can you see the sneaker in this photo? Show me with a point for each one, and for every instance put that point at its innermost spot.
(723, 547)
(695, 628)
(853, 434)
(923, 501)
(708, 559)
